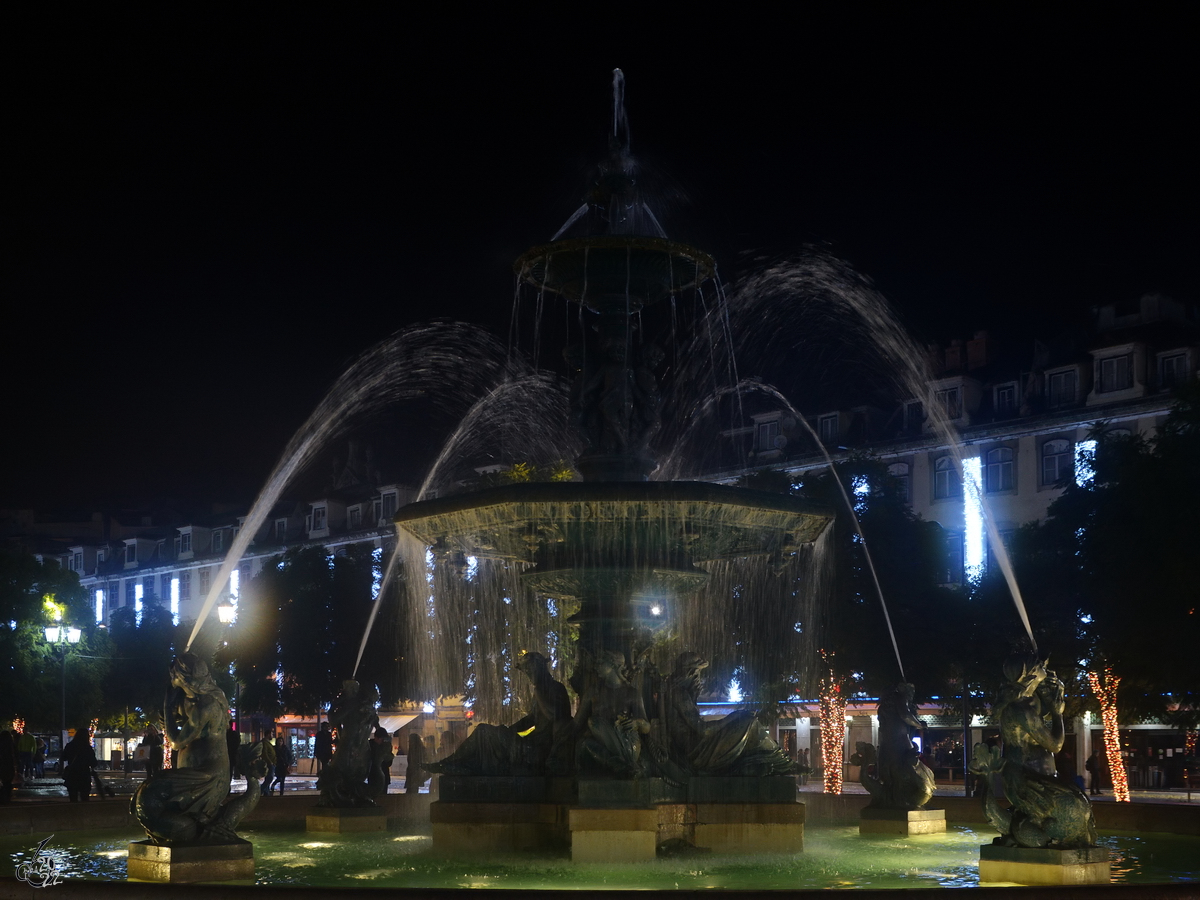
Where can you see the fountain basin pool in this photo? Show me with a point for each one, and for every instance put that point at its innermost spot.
(834, 857)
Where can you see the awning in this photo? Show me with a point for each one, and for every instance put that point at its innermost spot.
(395, 723)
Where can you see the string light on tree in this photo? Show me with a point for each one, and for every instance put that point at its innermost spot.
(1104, 686)
(833, 726)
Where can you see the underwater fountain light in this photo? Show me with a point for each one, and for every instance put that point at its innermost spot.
(1104, 686)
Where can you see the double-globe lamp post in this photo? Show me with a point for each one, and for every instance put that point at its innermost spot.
(62, 637)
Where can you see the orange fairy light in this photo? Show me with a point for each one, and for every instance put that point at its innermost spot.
(1104, 686)
(833, 728)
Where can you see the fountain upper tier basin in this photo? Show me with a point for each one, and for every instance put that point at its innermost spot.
(615, 273)
(653, 532)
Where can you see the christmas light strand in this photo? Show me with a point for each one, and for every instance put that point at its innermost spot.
(833, 728)
(1104, 686)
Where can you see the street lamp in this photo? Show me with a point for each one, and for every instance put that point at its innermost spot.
(62, 637)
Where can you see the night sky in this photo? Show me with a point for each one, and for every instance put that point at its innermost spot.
(208, 217)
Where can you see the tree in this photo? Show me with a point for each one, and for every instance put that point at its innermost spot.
(141, 657)
(1122, 548)
(32, 677)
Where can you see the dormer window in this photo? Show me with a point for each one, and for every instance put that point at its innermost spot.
(218, 541)
(1172, 369)
(1114, 373)
(319, 518)
(389, 504)
(131, 553)
(1005, 399)
(281, 530)
(185, 542)
(77, 561)
(354, 517)
(949, 401)
(827, 429)
(1060, 388)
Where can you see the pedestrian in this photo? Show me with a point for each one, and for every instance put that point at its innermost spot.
(379, 776)
(1093, 766)
(25, 747)
(233, 741)
(153, 742)
(39, 757)
(414, 775)
(80, 761)
(8, 765)
(283, 764)
(268, 753)
(323, 747)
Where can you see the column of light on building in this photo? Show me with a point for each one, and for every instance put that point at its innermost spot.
(175, 600)
(973, 526)
(138, 593)
(99, 606)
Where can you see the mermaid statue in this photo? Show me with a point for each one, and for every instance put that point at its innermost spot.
(1046, 811)
(901, 780)
(187, 803)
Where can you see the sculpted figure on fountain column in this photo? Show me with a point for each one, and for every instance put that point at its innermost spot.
(901, 780)
(343, 782)
(1046, 811)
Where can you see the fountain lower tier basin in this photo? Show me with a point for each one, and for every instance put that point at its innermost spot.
(567, 533)
(834, 857)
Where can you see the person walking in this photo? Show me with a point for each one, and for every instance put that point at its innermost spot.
(39, 756)
(8, 765)
(153, 742)
(323, 747)
(25, 747)
(80, 761)
(1093, 766)
(283, 764)
(268, 752)
(415, 774)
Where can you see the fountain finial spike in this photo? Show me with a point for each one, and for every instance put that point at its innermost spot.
(620, 120)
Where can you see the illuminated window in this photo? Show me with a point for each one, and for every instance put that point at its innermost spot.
(1060, 388)
(1114, 374)
(946, 482)
(999, 473)
(900, 472)
(1056, 461)
(1006, 399)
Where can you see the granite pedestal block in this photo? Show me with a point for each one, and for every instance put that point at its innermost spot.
(183, 863)
(613, 835)
(747, 829)
(902, 821)
(1025, 865)
(460, 827)
(334, 820)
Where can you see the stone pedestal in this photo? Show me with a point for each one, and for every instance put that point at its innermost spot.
(182, 863)
(613, 835)
(471, 828)
(750, 828)
(341, 821)
(902, 821)
(1022, 865)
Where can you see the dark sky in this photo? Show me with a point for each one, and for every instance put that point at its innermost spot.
(209, 217)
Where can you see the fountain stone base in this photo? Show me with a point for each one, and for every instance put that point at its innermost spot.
(498, 827)
(613, 835)
(902, 821)
(335, 820)
(1031, 865)
(185, 863)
